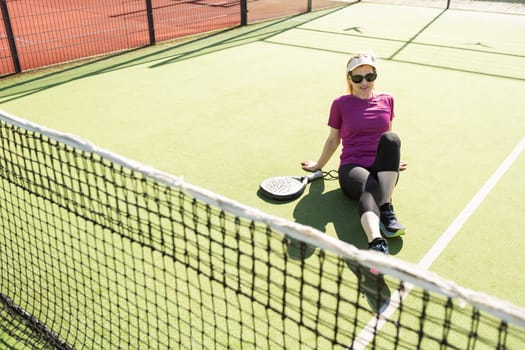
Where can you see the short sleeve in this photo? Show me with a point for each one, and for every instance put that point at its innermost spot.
(335, 118)
(391, 102)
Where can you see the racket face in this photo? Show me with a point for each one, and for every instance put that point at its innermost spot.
(282, 187)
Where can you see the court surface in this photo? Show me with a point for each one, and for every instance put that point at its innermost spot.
(232, 108)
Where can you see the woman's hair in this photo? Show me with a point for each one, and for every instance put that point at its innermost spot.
(360, 55)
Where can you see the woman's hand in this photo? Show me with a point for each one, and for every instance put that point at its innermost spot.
(403, 165)
(309, 165)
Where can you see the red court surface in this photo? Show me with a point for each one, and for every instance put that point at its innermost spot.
(53, 31)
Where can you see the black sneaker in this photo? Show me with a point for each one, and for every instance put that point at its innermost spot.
(379, 244)
(389, 225)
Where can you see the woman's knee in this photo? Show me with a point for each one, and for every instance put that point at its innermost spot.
(388, 152)
(390, 137)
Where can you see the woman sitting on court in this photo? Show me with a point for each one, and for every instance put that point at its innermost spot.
(370, 157)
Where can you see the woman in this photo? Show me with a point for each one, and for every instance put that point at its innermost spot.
(370, 157)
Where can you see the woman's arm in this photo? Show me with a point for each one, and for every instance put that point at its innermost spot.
(330, 145)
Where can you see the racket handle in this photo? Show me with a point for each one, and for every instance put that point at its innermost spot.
(313, 176)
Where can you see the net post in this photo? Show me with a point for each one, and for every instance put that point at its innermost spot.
(309, 6)
(10, 36)
(151, 25)
(244, 12)
(448, 4)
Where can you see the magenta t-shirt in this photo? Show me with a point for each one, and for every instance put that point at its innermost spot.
(361, 123)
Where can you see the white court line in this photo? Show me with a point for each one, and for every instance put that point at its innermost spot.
(366, 335)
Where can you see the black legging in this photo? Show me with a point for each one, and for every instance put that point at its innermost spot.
(362, 183)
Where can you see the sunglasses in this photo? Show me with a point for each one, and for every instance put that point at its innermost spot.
(370, 77)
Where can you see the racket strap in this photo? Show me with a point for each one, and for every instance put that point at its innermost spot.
(330, 175)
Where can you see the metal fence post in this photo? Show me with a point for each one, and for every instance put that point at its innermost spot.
(244, 12)
(151, 24)
(10, 36)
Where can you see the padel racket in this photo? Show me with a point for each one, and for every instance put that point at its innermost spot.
(287, 187)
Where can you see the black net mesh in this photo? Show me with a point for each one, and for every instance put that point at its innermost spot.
(96, 254)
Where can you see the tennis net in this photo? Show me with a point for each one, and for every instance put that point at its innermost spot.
(98, 251)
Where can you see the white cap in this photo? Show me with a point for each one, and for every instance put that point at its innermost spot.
(362, 60)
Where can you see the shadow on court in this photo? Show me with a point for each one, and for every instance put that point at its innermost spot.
(156, 56)
(318, 209)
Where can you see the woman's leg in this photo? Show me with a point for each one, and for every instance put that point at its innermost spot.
(357, 183)
(387, 168)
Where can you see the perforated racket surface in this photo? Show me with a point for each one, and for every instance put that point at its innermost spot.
(287, 187)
